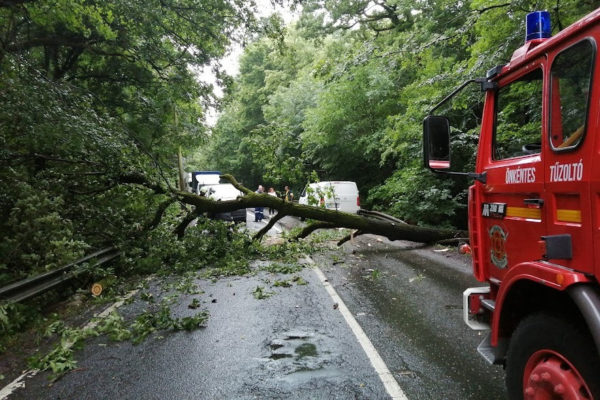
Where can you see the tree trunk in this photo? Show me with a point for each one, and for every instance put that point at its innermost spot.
(330, 218)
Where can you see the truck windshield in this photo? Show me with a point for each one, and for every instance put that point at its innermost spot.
(518, 129)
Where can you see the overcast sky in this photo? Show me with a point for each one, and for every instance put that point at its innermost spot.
(265, 9)
(230, 62)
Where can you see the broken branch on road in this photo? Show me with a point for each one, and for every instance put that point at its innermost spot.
(371, 222)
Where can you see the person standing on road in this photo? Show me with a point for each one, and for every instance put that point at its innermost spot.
(271, 192)
(288, 195)
(258, 211)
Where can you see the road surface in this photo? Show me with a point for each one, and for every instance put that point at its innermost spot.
(297, 343)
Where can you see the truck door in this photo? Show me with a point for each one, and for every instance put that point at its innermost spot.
(569, 163)
(513, 195)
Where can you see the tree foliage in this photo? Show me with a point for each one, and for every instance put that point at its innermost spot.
(99, 96)
(95, 94)
(344, 90)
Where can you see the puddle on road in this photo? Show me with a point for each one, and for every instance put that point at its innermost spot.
(293, 344)
(303, 360)
(298, 351)
(306, 350)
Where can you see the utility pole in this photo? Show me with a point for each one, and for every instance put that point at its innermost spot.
(182, 182)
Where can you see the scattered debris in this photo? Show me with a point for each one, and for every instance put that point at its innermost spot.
(284, 283)
(417, 278)
(260, 293)
(194, 304)
(299, 281)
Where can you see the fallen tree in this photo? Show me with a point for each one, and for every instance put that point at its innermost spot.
(326, 219)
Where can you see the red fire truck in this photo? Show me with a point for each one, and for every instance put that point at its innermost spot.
(534, 211)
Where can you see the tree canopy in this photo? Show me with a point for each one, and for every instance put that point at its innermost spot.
(91, 92)
(343, 92)
(99, 96)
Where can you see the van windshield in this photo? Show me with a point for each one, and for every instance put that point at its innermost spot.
(222, 192)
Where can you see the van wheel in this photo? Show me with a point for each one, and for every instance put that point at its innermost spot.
(548, 358)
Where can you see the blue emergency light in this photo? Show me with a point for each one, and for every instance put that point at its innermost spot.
(538, 26)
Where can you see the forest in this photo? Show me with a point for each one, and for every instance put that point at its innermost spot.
(99, 98)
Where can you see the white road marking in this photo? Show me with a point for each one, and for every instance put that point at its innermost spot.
(250, 214)
(277, 228)
(388, 380)
(20, 381)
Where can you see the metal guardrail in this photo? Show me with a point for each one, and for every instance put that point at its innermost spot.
(36, 285)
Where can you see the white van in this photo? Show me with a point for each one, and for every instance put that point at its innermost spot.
(334, 195)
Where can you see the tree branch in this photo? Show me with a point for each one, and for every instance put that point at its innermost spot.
(90, 192)
(236, 184)
(313, 227)
(266, 228)
(180, 229)
(348, 237)
(388, 227)
(159, 213)
(139, 179)
(329, 218)
(482, 10)
(46, 157)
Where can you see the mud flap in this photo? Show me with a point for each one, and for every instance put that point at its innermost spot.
(493, 355)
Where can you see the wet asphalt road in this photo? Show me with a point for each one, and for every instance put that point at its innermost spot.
(409, 302)
(295, 344)
(292, 345)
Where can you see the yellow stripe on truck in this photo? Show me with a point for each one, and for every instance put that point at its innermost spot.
(524, 212)
(568, 215)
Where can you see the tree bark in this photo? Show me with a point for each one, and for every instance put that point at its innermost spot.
(327, 218)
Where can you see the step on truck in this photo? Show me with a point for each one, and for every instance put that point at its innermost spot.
(534, 211)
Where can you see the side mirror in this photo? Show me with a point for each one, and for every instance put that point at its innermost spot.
(436, 142)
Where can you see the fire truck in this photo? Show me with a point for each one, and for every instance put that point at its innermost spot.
(534, 211)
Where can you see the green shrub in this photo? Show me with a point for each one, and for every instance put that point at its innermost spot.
(420, 197)
(37, 236)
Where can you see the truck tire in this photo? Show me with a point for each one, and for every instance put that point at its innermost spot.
(548, 358)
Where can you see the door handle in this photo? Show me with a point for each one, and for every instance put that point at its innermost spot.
(538, 203)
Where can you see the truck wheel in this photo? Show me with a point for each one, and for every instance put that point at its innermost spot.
(548, 358)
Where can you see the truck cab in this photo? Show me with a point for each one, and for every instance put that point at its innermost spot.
(534, 213)
(202, 178)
